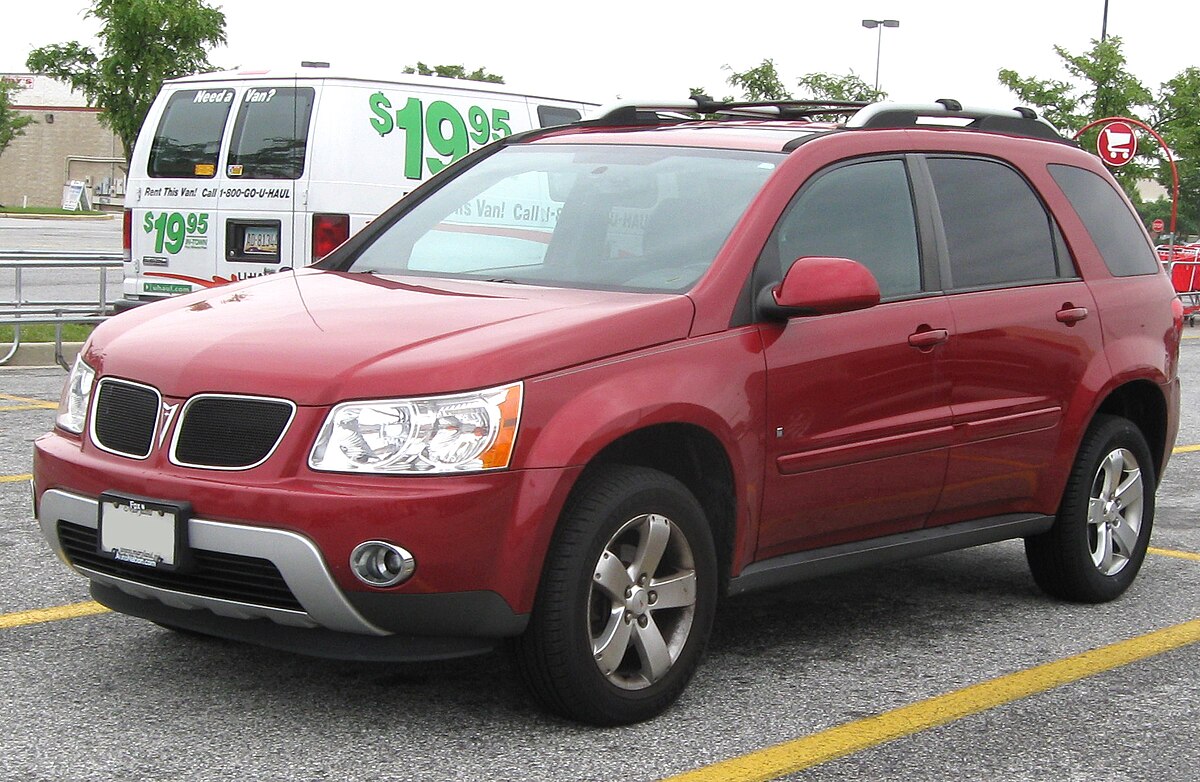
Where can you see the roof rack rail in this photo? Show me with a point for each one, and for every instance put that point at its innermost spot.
(634, 112)
(1021, 121)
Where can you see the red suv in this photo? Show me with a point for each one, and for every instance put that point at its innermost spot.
(591, 378)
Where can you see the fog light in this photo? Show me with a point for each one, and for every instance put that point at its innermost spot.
(381, 564)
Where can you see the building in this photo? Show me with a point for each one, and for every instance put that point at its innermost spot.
(66, 142)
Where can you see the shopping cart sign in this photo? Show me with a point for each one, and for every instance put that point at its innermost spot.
(1116, 143)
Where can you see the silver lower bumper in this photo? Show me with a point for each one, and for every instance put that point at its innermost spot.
(297, 559)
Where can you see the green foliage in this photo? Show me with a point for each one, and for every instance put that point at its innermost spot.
(761, 82)
(1100, 86)
(1177, 120)
(454, 72)
(144, 42)
(12, 123)
(829, 86)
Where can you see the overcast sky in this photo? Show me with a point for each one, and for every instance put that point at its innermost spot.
(660, 48)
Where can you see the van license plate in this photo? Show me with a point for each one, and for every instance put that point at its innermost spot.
(141, 532)
(261, 240)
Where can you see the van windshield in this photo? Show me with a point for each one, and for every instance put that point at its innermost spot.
(586, 216)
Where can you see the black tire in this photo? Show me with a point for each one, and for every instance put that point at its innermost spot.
(1071, 560)
(614, 518)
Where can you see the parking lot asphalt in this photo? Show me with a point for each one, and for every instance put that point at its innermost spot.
(947, 667)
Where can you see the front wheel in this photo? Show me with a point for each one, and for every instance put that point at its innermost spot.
(1098, 542)
(626, 601)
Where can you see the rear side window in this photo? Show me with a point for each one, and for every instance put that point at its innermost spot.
(188, 137)
(549, 116)
(863, 212)
(997, 231)
(270, 135)
(1113, 228)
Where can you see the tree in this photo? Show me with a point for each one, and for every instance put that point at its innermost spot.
(1100, 86)
(454, 72)
(12, 123)
(1177, 120)
(762, 82)
(828, 86)
(144, 42)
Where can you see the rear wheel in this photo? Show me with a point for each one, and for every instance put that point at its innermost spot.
(1097, 544)
(626, 601)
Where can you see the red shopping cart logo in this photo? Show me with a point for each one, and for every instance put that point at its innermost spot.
(1116, 143)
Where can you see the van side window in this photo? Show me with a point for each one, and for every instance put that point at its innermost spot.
(1118, 235)
(270, 135)
(188, 137)
(863, 212)
(997, 231)
(556, 115)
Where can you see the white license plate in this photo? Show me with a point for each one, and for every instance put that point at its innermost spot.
(141, 533)
(261, 240)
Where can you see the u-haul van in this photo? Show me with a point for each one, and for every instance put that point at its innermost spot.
(241, 174)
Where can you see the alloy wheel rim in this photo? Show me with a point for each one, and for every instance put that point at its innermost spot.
(1115, 511)
(641, 602)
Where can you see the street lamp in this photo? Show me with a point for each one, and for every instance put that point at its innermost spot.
(871, 24)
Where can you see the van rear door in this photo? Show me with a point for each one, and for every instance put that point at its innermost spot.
(173, 194)
(263, 181)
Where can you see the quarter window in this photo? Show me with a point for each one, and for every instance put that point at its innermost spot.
(1116, 232)
(863, 212)
(997, 231)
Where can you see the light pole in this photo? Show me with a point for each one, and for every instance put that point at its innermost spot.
(871, 24)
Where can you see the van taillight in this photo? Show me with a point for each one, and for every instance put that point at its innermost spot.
(328, 231)
(127, 236)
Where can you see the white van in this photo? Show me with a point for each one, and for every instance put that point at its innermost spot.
(246, 173)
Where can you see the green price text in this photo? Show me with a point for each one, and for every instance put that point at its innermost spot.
(447, 132)
(171, 229)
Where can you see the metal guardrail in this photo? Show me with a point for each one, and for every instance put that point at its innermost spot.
(25, 312)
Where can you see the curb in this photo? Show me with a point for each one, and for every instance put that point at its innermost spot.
(38, 354)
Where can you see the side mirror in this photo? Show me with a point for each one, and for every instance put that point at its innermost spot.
(820, 286)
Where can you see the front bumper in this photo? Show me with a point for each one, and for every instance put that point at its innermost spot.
(306, 613)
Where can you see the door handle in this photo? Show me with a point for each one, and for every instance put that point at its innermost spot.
(928, 339)
(1071, 315)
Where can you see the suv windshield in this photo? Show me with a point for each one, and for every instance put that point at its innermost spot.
(585, 216)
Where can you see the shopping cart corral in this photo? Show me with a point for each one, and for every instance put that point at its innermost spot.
(1183, 264)
(21, 310)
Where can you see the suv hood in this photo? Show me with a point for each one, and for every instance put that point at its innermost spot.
(319, 337)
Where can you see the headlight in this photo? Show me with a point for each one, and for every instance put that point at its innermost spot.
(76, 395)
(454, 433)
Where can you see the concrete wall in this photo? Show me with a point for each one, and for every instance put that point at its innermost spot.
(66, 141)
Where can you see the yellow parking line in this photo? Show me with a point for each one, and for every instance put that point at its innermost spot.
(1169, 552)
(28, 403)
(15, 478)
(1186, 449)
(40, 615)
(797, 755)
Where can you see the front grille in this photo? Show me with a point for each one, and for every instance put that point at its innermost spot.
(214, 574)
(125, 417)
(230, 432)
